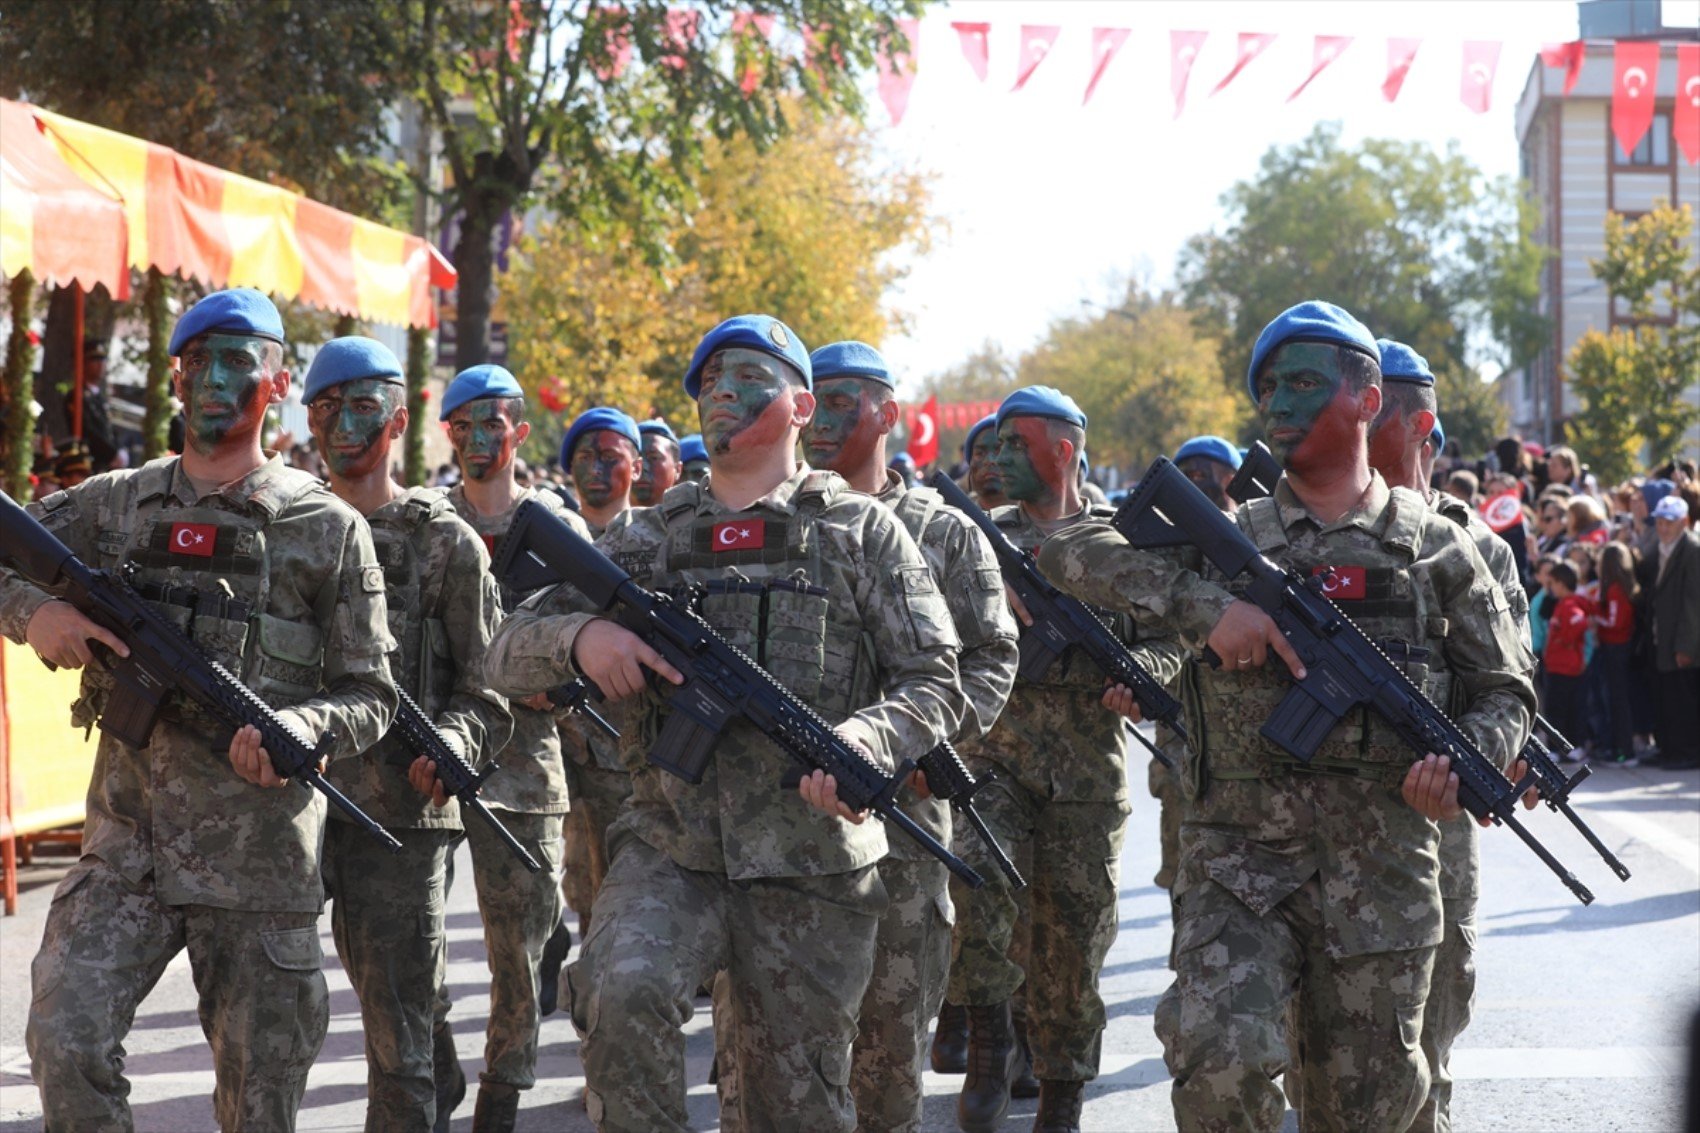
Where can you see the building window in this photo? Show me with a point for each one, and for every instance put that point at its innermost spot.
(1654, 148)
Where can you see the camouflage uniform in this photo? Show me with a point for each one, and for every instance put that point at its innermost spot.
(519, 909)
(178, 850)
(1061, 761)
(387, 909)
(1322, 885)
(1164, 783)
(737, 873)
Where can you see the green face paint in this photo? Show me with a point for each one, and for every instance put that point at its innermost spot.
(225, 386)
(483, 437)
(1025, 461)
(658, 471)
(845, 429)
(983, 474)
(1300, 394)
(602, 467)
(739, 403)
(351, 423)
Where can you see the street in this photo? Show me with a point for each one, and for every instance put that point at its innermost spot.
(1580, 1018)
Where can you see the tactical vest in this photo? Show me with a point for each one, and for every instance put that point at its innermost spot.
(1392, 600)
(425, 666)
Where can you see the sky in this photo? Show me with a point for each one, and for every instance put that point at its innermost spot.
(1047, 203)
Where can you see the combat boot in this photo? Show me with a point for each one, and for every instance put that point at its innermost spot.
(991, 1063)
(451, 1079)
(1024, 1084)
(950, 1040)
(555, 951)
(498, 1108)
(1059, 1106)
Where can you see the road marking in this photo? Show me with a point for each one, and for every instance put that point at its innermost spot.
(1684, 852)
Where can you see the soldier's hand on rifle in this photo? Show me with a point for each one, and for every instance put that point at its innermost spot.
(538, 701)
(1533, 794)
(1245, 635)
(820, 791)
(918, 783)
(422, 773)
(250, 759)
(614, 658)
(1017, 606)
(61, 633)
(1431, 787)
(1120, 700)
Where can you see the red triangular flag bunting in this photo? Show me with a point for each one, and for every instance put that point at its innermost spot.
(1105, 43)
(1036, 41)
(1184, 47)
(897, 70)
(1566, 55)
(974, 46)
(1326, 49)
(1401, 53)
(1636, 67)
(1251, 45)
(681, 32)
(1475, 82)
(1685, 124)
(750, 33)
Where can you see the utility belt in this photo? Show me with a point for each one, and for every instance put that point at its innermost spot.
(1278, 768)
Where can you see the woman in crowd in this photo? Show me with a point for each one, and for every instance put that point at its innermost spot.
(1615, 629)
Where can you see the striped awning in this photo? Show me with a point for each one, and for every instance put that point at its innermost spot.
(52, 222)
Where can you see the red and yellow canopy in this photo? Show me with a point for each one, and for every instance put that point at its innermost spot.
(51, 221)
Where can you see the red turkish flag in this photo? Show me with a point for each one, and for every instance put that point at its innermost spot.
(616, 42)
(194, 539)
(1686, 122)
(1036, 41)
(1184, 47)
(1343, 582)
(738, 534)
(1503, 511)
(1401, 53)
(1106, 42)
(974, 46)
(750, 33)
(1475, 81)
(1252, 44)
(1326, 49)
(1632, 89)
(924, 433)
(681, 31)
(897, 70)
(1566, 55)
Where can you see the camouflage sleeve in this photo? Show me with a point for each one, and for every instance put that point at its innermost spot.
(472, 608)
(72, 517)
(973, 589)
(1485, 653)
(1162, 590)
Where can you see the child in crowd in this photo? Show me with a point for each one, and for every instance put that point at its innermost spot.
(1565, 657)
(1615, 629)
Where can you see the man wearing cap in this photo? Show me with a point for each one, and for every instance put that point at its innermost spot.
(387, 909)
(185, 847)
(1060, 794)
(824, 586)
(693, 459)
(661, 463)
(484, 414)
(1314, 894)
(978, 449)
(1675, 605)
(856, 409)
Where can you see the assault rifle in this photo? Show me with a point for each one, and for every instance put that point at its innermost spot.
(422, 737)
(1257, 475)
(162, 661)
(1554, 789)
(949, 779)
(721, 684)
(1344, 668)
(1061, 622)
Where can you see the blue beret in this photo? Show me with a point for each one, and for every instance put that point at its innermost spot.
(1041, 401)
(1218, 449)
(1399, 363)
(1438, 436)
(691, 448)
(475, 382)
(592, 420)
(989, 421)
(240, 310)
(1311, 321)
(349, 359)
(657, 425)
(851, 359)
(758, 332)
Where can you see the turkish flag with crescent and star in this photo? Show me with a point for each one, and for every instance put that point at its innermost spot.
(1105, 43)
(194, 539)
(1343, 582)
(924, 433)
(1636, 67)
(739, 534)
(1475, 78)
(1036, 43)
(1570, 56)
(1685, 123)
(1401, 54)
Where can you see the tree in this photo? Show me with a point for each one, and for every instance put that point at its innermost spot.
(1637, 381)
(987, 374)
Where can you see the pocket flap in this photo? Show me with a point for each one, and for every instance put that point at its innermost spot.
(290, 641)
(1196, 932)
(294, 949)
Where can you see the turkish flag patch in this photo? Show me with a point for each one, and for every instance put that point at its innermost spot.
(1342, 582)
(194, 539)
(737, 534)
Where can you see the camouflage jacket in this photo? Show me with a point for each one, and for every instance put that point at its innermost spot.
(1255, 826)
(532, 779)
(967, 573)
(588, 745)
(443, 607)
(297, 609)
(826, 589)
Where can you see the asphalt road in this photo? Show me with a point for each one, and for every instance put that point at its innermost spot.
(1580, 1020)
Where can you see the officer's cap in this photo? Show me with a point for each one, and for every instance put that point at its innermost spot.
(989, 421)
(1310, 321)
(851, 359)
(1041, 401)
(1399, 363)
(240, 310)
(1219, 449)
(594, 420)
(349, 359)
(757, 332)
(476, 382)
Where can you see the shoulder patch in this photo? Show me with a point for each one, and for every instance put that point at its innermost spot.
(372, 579)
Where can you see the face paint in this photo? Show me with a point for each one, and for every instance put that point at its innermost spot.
(1028, 463)
(483, 437)
(983, 474)
(741, 403)
(658, 472)
(1211, 476)
(602, 468)
(1308, 409)
(225, 385)
(351, 423)
(845, 429)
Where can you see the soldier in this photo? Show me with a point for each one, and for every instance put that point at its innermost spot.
(1313, 883)
(387, 909)
(978, 450)
(824, 586)
(693, 459)
(856, 409)
(661, 463)
(525, 938)
(1061, 792)
(276, 579)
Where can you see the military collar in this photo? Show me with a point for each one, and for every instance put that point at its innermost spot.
(1370, 515)
(781, 501)
(266, 487)
(894, 488)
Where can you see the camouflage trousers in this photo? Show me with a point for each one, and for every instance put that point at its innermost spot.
(1071, 897)
(1241, 981)
(387, 921)
(519, 910)
(1165, 786)
(798, 952)
(597, 796)
(1451, 996)
(263, 1003)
